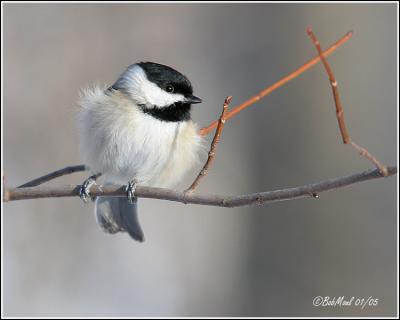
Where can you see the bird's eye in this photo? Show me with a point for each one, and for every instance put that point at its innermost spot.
(169, 88)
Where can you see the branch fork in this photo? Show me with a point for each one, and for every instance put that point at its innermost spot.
(339, 108)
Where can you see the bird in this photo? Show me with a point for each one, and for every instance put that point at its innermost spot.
(139, 131)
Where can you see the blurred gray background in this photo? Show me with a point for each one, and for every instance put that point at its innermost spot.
(270, 260)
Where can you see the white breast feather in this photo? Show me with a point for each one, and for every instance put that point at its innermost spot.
(123, 143)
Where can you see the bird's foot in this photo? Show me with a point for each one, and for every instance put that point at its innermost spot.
(130, 190)
(84, 191)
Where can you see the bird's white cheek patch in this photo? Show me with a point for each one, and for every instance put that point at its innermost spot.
(148, 93)
(158, 97)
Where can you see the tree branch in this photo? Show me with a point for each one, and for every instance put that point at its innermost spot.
(54, 175)
(335, 90)
(213, 148)
(206, 130)
(365, 153)
(339, 109)
(310, 190)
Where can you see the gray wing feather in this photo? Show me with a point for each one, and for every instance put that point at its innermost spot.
(116, 214)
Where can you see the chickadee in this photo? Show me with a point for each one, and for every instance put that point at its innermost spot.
(138, 131)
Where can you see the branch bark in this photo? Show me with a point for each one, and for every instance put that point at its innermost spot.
(310, 190)
(54, 175)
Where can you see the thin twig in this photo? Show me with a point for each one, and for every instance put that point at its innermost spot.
(206, 130)
(309, 190)
(335, 92)
(53, 175)
(213, 148)
(364, 152)
(339, 109)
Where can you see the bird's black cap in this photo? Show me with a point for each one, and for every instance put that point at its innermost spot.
(165, 76)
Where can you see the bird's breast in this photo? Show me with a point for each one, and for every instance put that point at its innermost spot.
(158, 153)
(123, 143)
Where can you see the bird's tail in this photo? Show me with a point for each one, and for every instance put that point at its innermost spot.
(116, 214)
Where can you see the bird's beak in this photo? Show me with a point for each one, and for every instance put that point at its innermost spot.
(192, 99)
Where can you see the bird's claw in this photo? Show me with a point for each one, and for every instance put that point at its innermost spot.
(130, 190)
(84, 191)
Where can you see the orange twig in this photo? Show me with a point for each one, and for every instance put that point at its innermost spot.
(335, 92)
(211, 153)
(206, 130)
(339, 109)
